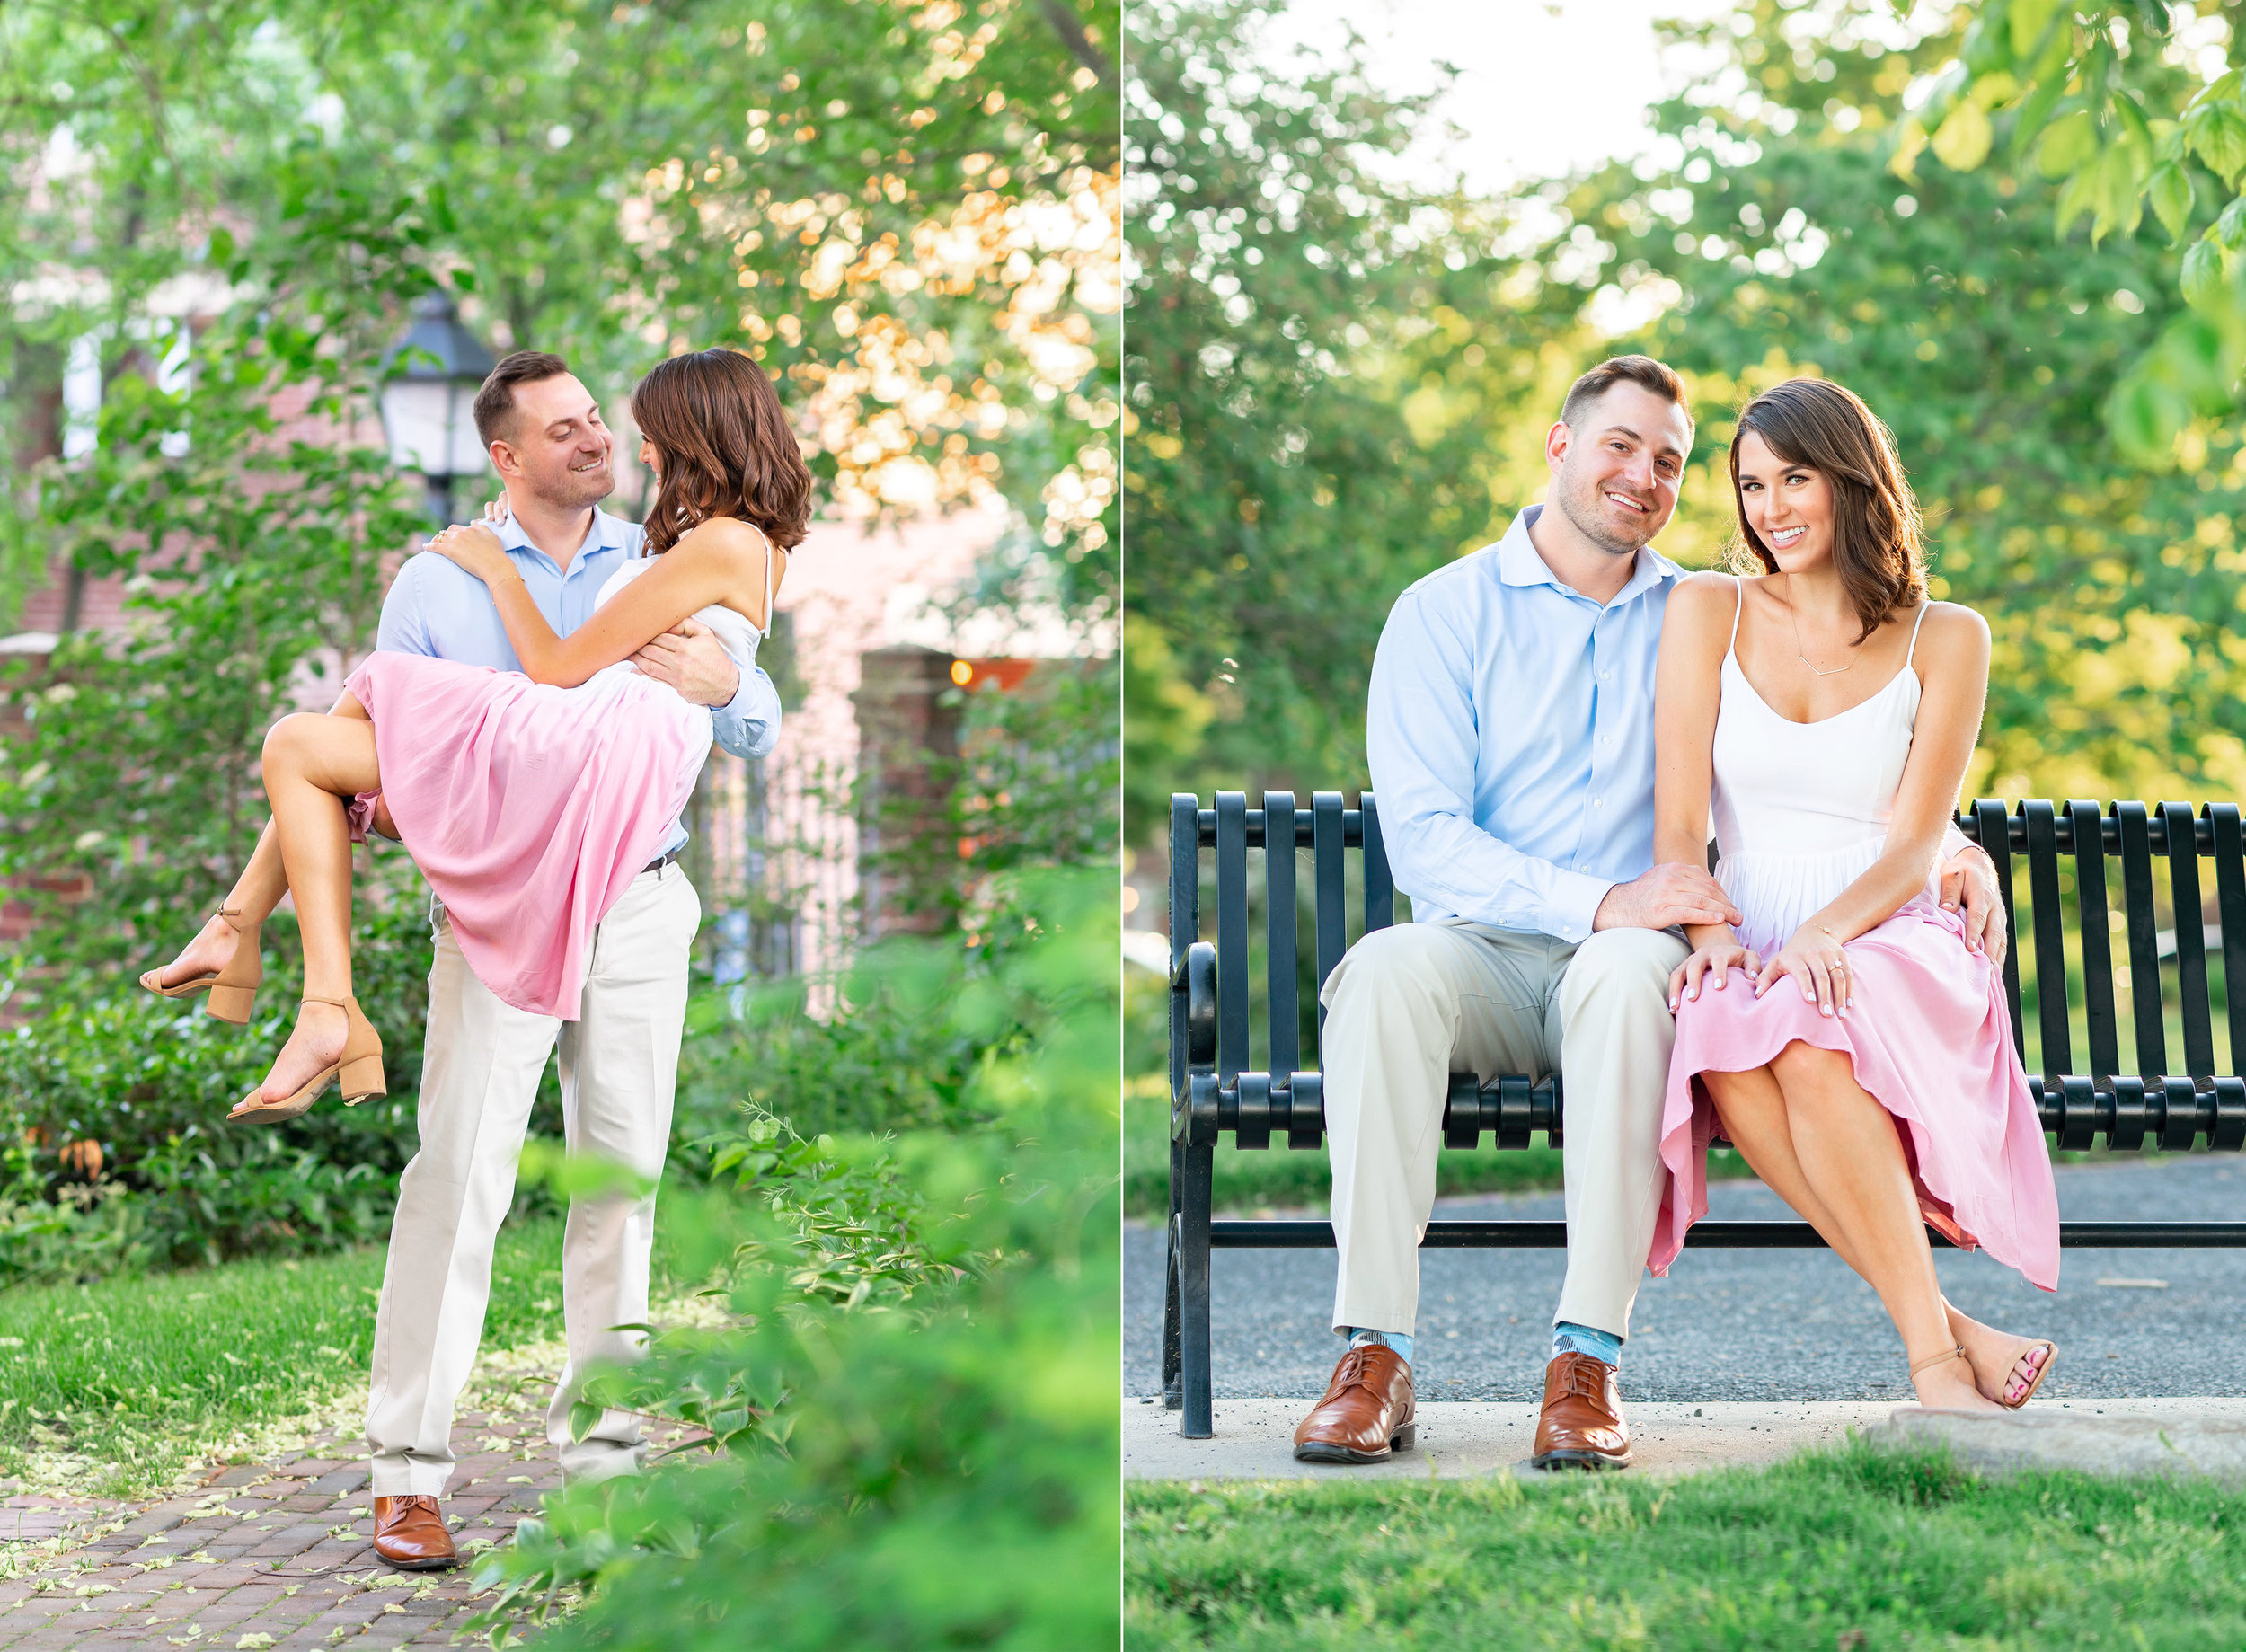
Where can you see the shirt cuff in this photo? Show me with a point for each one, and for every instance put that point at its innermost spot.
(1573, 904)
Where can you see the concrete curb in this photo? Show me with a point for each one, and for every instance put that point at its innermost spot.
(1459, 1439)
(2183, 1438)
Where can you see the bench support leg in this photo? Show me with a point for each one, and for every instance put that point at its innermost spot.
(1172, 1384)
(1192, 1246)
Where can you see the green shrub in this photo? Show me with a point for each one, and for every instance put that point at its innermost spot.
(889, 1061)
(148, 1080)
(913, 1434)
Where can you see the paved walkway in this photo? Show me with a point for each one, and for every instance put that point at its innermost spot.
(273, 1555)
(1773, 1326)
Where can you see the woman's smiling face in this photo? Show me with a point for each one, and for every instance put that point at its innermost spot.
(1788, 506)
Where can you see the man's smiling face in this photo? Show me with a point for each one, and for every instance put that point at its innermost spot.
(1617, 482)
(561, 443)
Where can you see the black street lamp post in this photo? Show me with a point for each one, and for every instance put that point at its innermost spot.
(429, 380)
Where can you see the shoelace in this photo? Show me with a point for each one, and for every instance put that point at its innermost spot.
(1350, 1373)
(1585, 1381)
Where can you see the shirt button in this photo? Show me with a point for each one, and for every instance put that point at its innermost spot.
(1606, 677)
(1599, 802)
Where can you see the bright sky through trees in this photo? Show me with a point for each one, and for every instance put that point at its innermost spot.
(1545, 88)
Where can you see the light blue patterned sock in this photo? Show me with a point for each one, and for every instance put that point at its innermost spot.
(1569, 1338)
(1395, 1340)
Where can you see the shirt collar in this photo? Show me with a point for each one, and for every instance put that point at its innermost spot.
(1518, 563)
(607, 534)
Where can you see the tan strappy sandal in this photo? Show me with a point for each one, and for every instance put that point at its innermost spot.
(234, 989)
(1935, 1359)
(358, 1070)
(2050, 1358)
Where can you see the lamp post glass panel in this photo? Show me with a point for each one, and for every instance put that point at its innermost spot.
(430, 377)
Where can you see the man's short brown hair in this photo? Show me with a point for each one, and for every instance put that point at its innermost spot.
(496, 401)
(1641, 370)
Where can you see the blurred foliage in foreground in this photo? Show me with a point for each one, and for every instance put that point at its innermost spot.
(1344, 381)
(912, 1434)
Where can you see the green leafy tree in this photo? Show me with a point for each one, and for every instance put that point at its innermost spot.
(1322, 364)
(908, 210)
(1782, 242)
(2130, 107)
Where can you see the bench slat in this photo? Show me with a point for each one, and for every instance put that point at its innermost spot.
(1380, 887)
(1996, 838)
(2097, 935)
(2191, 953)
(2230, 905)
(1231, 934)
(2043, 892)
(2144, 963)
(1326, 867)
(1185, 914)
(1278, 913)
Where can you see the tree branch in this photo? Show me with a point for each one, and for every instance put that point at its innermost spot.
(1070, 29)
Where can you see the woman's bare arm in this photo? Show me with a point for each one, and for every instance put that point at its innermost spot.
(1688, 691)
(722, 561)
(1954, 650)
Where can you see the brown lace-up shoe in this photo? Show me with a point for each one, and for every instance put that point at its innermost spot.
(1581, 1425)
(1366, 1413)
(409, 1533)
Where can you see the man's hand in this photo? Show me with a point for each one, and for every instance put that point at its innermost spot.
(690, 659)
(1969, 877)
(1669, 895)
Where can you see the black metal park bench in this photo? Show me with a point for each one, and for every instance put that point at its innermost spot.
(1215, 1092)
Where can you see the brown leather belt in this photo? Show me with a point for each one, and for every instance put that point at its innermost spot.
(660, 862)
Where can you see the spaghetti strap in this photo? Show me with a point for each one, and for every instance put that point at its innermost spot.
(772, 576)
(1738, 589)
(1913, 652)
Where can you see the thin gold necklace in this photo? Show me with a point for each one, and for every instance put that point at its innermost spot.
(1799, 653)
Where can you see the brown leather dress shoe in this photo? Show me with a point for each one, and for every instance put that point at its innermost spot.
(1366, 1413)
(1581, 1425)
(409, 1533)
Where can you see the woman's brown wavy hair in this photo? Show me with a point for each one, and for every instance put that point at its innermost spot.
(725, 449)
(1879, 544)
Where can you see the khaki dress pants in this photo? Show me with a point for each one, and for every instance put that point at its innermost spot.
(1411, 1005)
(483, 1061)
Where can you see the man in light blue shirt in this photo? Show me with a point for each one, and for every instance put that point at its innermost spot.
(1510, 738)
(482, 1059)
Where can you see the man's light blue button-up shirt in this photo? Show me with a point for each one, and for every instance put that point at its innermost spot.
(1510, 738)
(436, 606)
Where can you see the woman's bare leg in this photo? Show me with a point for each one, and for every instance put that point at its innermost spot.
(313, 763)
(1753, 1109)
(255, 892)
(1852, 1159)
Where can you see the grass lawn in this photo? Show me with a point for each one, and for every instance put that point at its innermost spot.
(1848, 1549)
(134, 1380)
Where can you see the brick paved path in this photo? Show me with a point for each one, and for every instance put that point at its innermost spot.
(264, 1555)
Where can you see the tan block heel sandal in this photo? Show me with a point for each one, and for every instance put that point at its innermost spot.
(234, 989)
(358, 1070)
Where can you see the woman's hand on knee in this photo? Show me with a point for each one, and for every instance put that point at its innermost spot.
(1715, 963)
(1818, 964)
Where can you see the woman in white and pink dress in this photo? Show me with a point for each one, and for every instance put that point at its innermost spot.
(1848, 1039)
(529, 800)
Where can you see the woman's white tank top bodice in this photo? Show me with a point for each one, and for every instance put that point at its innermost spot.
(734, 633)
(1801, 809)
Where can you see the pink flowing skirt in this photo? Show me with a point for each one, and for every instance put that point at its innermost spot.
(529, 809)
(1929, 1038)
